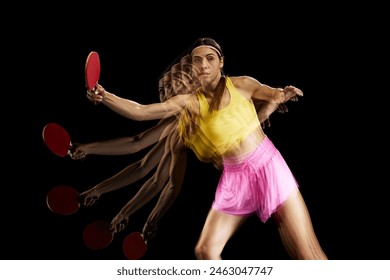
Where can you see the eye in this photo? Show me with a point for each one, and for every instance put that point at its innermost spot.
(210, 58)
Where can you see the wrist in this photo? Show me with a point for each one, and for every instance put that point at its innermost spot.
(105, 95)
(279, 95)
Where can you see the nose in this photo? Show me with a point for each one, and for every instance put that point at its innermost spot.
(204, 63)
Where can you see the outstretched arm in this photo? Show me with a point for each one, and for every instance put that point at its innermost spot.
(127, 176)
(164, 173)
(133, 172)
(149, 190)
(136, 111)
(122, 145)
(253, 89)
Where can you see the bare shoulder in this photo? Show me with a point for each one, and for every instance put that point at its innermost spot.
(245, 82)
(246, 85)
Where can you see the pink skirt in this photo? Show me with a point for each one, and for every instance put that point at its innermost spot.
(259, 184)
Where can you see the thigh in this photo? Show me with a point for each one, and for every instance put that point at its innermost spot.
(293, 214)
(296, 229)
(219, 227)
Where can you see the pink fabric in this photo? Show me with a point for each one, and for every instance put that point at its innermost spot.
(259, 184)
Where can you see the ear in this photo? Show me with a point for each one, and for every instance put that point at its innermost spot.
(221, 62)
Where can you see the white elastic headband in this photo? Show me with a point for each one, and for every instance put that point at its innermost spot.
(207, 46)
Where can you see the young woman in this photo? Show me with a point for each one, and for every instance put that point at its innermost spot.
(219, 122)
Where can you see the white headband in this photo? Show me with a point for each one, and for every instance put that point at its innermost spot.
(207, 46)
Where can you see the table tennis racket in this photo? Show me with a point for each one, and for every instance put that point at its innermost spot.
(134, 246)
(98, 235)
(92, 70)
(57, 139)
(63, 200)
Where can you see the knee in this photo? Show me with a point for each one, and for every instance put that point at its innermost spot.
(206, 252)
(201, 252)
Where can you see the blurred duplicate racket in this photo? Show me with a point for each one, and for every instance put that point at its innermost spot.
(98, 235)
(57, 139)
(63, 200)
(134, 246)
(92, 70)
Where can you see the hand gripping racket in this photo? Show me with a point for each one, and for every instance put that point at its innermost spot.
(57, 139)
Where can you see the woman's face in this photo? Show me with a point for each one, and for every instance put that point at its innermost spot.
(206, 63)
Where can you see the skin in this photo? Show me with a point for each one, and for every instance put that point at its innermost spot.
(167, 152)
(126, 145)
(170, 171)
(161, 150)
(292, 217)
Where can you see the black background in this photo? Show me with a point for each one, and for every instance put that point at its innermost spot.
(326, 137)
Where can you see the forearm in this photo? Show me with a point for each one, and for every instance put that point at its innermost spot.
(148, 191)
(132, 173)
(165, 201)
(265, 109)
(128, 145)
(150, 188)
(118, 146)
(118, 181)
(136, 111)
(278, 95)
(274, 95)
(173, 187)
(140, 112)
(125, 107)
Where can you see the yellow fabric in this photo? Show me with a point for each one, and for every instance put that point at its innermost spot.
(218, 131)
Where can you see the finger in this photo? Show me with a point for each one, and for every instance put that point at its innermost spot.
(89, 201)
(117, 227)
(298, 91)
(113, 227)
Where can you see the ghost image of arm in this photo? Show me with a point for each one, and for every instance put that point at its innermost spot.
(128, 145)
(167, 180)
(126, 176)
(169, 175)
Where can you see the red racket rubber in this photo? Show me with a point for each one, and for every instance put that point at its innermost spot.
(98, 235)
(134, 246)
(57, 139)
(63, 200)
(92, 70)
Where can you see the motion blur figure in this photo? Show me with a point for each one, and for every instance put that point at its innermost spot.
(221, 124)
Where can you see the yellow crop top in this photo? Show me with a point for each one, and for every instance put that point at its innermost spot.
(220, 130)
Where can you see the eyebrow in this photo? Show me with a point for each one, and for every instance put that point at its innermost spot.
(207, 54)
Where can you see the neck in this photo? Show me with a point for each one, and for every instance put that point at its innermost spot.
(209, 87)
